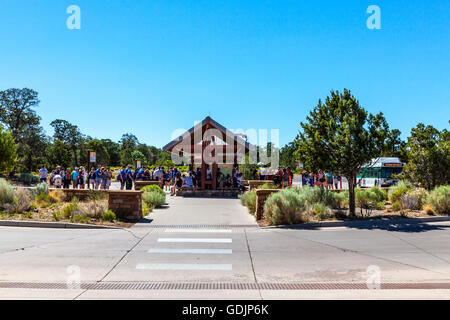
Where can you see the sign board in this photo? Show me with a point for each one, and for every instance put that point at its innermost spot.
(138, 164)
(92, 156)
(393, 164)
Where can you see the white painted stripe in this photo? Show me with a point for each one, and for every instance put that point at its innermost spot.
(175, 266)
(199, 251)
(175, 230)
(205, 240)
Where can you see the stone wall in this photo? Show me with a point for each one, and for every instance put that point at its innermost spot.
(127, 204)
(80, 194)
(253, 184)
(138, 185)
(124, 203)
(261, 196)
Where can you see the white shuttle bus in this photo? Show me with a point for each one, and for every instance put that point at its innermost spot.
(379, 172)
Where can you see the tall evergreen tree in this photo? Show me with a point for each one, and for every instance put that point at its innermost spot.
(340, 136)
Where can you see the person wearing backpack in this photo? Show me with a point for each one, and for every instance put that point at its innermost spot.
(129, 179)
(66, 178)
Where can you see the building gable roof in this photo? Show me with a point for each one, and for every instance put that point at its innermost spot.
(214, 124)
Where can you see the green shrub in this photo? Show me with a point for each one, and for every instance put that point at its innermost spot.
(409, 201)
(248, 199)
(154, 199)
(315, 195)
(41, 189)
(286, 207)
(79, 218)
(57, 215)
(379, 194)
(21, 203)
(439, 200)
(153, 188)
(28, 179)
(44, 200)
(340, 200)
(421, 194)
(321, 211)
(145, 209)
(266, 186)
(70, 210)
(369, 199)
(395, 206)
(109, 216)
(397, 191)
(6, 193)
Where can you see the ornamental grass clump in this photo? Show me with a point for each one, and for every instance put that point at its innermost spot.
(439, 200)
(6, 193)
(248, 199)
(286, 207)
(92, 209)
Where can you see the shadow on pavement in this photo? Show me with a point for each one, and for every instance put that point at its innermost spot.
(145, 220)
(412, 225)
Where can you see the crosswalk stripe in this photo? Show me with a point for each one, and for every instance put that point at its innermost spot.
(175, 230)
(199, 251)
(175, 266)
(204, 240)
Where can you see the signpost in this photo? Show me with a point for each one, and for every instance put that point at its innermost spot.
(92, 158)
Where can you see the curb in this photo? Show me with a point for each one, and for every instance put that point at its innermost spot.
(350, 223)
(55, 225)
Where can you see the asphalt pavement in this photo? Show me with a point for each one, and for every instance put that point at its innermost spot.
(210, 248)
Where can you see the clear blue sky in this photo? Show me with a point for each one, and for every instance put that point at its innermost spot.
(151, 66)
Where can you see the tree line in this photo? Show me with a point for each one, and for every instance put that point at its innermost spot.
(25, 147)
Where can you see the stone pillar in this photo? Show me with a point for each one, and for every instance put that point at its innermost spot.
(127, 204)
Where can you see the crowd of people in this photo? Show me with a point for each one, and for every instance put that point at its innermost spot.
(78, 178)
(172, 178)
(326, 180)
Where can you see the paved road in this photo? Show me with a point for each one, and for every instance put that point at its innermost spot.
(215, 242)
